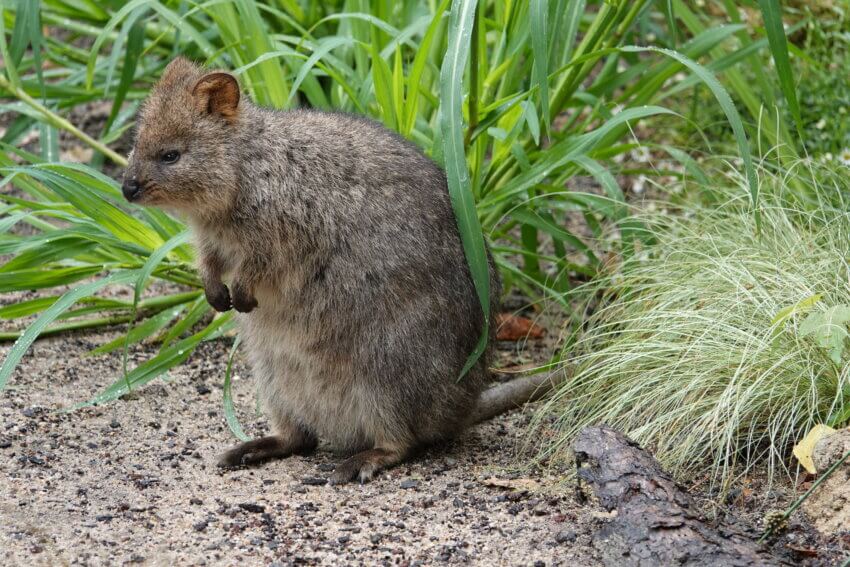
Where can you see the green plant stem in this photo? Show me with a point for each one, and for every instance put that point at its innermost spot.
(808, 493)
(72, 326)
(149, 307)
(55, 120)
(166, 301)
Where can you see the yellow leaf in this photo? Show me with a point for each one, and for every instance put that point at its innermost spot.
(804, 449)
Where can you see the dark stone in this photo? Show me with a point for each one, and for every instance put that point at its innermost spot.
(253, 508)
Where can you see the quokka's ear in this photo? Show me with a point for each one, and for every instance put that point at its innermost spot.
(217, 93)
(178, 68)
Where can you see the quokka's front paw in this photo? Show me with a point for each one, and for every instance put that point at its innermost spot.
(243, 301)
(219, 297)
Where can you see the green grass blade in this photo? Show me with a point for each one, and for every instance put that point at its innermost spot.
(670, 16)
(324, 47)
(77, 190)
(457, 171)
(532, 218)
(155, 260)
(772, 13)
(140, 332)
(161, 363)
(52, 250)
(382, 81)
(23, 280)
(28, 307)
(729, 110)
(135, 45)
(197, 310)
(418, 67)
(539, 47)
(229, 412)
(566, 151)
(67, 300)
(11, 71)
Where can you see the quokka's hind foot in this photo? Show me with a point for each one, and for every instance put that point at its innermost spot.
(266, 448)
(364, 465)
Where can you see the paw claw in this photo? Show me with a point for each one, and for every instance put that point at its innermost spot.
(219, 298)
(243, 303)
(235, 459)
(351, 469)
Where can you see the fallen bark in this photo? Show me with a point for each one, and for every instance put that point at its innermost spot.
(656, 522)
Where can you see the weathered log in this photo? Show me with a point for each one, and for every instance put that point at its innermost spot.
(656, 521)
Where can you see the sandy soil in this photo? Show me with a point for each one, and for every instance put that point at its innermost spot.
(135, 482)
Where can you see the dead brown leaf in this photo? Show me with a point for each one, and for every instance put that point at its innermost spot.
(516, 328)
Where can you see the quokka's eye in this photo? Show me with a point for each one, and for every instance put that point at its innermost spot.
(170, 156)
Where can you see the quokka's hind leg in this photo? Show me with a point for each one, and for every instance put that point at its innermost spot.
(290, 439)
(364, 465)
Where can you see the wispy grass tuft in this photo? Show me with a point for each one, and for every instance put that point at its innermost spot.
(698, 349)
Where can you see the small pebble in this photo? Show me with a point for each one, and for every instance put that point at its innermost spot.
(409, 484)
(253, 508)
(565, 536)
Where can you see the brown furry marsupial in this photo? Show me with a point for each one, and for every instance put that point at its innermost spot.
(341, 254)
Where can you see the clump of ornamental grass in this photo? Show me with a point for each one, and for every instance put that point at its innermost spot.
(721, 345)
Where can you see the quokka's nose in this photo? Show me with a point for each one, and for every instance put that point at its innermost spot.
(131, 189)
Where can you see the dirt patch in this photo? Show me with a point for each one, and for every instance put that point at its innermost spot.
(135, 482)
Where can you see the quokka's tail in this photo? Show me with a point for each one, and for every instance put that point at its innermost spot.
(510, 395)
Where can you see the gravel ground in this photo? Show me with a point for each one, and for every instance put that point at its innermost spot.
(134, 481)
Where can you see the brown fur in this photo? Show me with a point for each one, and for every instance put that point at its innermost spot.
(342, 255)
